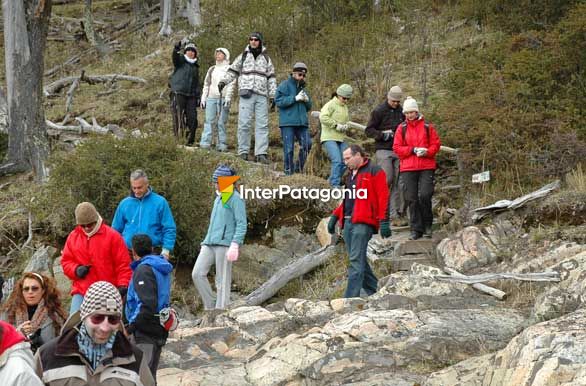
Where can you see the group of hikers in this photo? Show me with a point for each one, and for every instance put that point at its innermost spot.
(120, 313)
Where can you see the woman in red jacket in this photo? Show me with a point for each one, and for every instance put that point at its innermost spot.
(94, 252)
(416, 143)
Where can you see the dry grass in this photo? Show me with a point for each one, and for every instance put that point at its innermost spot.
(576, 179)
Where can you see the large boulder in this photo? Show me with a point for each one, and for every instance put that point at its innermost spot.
(549, 353)
(467, 250)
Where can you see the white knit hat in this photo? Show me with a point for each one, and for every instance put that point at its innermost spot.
(410, 105)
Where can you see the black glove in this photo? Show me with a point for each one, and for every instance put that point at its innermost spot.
(272, 102)
(332, 225)
(385, 229)
(178, 46)
(221, 86)
(82, 270)
(123, 290)
(131, 328)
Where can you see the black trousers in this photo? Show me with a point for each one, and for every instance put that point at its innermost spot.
(417, 188)
(184, 115)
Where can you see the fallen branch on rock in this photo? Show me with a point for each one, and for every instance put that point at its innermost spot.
(497, 293)
(84, 127)
(295, 269)
(538, 276)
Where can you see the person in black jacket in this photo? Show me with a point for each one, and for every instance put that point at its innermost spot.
(185, 91)
(383, 122)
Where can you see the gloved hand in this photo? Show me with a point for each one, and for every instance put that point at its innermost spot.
(81, 271)
(341, 126)
(178, 46)
(123, 291)
(332, 225)
(233, 252)
(305, 96)
(299, 97)
(221, 86)
(227, 103)
(272, 102)
(421, 152)
(202, 105)
(385, 229)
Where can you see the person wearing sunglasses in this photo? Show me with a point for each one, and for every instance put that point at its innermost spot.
(334, 117)
(92, 346)
(34, 308)
(94, 252)
(294, 103)
(257, 85)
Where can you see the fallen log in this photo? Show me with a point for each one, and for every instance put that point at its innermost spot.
(295, 269)
(74, 85)
(497, 293)
(85, 127)
(56, 86)
(538, 276)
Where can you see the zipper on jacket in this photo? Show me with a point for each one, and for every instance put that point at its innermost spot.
(224, 232)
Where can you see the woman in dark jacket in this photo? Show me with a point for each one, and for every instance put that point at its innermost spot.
(34, 308)
(185, 92)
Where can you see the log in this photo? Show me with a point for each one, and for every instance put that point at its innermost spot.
(501, 295)
(85, 127)
(537, 276)
(295, 269)
(74, 86)
(58, 85)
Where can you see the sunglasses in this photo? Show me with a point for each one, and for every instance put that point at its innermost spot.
(344, 98)
(301, 74)
(89, 226)
(99, 318)
(254, 39)
(34, 288)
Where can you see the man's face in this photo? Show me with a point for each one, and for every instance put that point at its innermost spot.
(139, 187)
(411, 115)
(353, 162)
(393, 103)
(253, 42)
(100, 327)
(298, 76)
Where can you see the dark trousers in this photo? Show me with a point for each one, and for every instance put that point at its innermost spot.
(360, 275)
(151, 350)
(184, 115)
(418, 190)
(289, 135)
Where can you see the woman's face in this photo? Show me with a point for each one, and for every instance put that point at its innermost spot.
(343, 100)
(220, 56)
(411, 115)
(32, 291)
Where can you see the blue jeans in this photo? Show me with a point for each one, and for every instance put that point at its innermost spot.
(255, 107)
(213, 108)
(76, 301)
(360, 275)
(335, 150)
(289, 134)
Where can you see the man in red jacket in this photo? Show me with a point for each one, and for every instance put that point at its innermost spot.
(363, 212)
(416, 143)
(94, 252)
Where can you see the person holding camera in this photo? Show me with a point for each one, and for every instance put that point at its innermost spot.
(34, 308)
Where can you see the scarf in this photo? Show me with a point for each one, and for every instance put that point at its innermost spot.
(92, 351)
(96, 228)
(189, 59)
(39, 317)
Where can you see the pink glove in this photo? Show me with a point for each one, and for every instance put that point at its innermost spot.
(233, 252)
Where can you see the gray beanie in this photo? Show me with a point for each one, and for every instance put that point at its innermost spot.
(395, 93)
(300, 67)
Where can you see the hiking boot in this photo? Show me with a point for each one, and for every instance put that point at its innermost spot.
(262, 158)
(427, 233)
(415, 235)
(244, 156)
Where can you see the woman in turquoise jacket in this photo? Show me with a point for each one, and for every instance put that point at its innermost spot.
(334, 117)
(221, 245)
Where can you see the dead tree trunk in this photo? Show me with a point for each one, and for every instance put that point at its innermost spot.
(90, 32)
(193, 11)
(25, 34)
(166, 17)
(139, 11)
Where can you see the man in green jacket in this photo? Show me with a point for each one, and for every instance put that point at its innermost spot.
(221, 245)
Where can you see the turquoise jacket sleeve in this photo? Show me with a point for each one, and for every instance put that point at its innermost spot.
(239, 208)
(169, 227)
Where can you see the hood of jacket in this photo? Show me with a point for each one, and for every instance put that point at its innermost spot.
(10, 337)
(156, 262)
(226, 54)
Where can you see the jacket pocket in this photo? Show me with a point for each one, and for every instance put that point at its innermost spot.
(224, 233)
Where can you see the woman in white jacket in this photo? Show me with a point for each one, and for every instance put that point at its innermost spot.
(16, 359)
(216, 104)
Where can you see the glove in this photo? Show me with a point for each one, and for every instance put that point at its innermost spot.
(202, 104)
(82, 270)
(221, 86)
(385, 229)
(305, 96)
(178, 46)
(123, 291)
(341, 127)
(332, 225)
(227, 103)
(233, 252)
(421, 151)
(299, 98)
(272, 102)
(388, 136)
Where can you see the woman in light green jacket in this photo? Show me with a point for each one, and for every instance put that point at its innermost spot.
(334, 117)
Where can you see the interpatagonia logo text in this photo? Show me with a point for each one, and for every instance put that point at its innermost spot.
(303, 193)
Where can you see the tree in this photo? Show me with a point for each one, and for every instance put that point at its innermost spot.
(166, 17)
(25, 34)
(193, 12)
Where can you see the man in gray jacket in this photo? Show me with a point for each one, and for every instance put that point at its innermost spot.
(256, 86)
